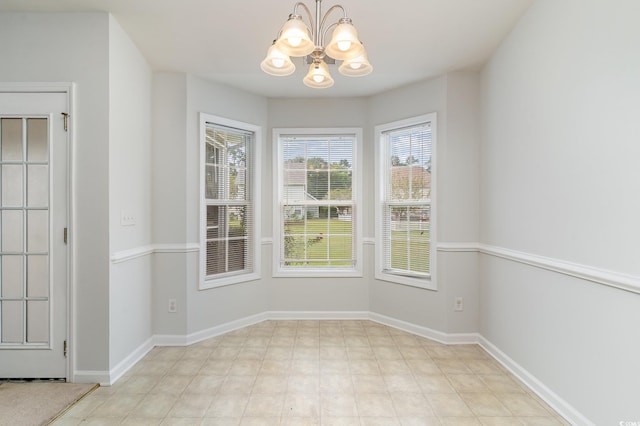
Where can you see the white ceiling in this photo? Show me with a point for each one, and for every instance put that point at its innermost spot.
(225, 40)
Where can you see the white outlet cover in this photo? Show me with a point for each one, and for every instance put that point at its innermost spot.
(458, 304)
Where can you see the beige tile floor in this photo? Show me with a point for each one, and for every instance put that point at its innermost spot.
(315, 373)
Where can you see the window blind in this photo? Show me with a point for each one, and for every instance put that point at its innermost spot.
(407, 201)
(317, 202)
(229, 210)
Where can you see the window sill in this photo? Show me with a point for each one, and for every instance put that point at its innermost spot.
(226, 281)
(317, 273)
(422, 283)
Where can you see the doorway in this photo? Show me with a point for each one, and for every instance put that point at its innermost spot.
(33, 234)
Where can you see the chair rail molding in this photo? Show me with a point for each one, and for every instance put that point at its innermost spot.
(606, 277)
(141, 251)
(589, 273)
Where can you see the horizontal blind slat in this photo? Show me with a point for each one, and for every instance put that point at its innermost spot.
(317, 201)
(229, 213)
(407, 201)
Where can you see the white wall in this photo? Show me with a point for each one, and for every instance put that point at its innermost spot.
(129, 192)
(455, 99)
(209, 308)
(560, 179)
(74, 48)
(315, 294)
(413, 305)
(169, 101)
(178, 100)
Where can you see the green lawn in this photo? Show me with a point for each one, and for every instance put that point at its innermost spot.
(322, 242)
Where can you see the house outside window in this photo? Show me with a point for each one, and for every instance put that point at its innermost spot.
(317, 226)
(405, 201)
(229, 231)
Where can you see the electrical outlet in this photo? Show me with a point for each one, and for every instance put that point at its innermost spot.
(173, 308)
(458, 305)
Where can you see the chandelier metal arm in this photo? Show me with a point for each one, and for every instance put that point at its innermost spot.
(337, 6)
(309, 16)
(316, 26)
(326, 30)
(324, 19)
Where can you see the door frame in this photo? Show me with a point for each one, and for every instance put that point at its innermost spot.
(67, 88)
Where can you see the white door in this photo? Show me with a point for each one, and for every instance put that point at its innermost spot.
(33, 252)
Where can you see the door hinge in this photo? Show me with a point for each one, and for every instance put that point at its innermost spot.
(65, 235)
(66, 120)
(64, 350)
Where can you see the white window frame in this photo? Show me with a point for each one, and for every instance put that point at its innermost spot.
(278, 270)
(254, 191)
(382, 174)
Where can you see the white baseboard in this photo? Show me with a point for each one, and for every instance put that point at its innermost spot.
(225, 328)
(88, 376)
(123, 366)
(318, 315)
(170, 340)
(190, 339)
(438, 336)
(547, 395)
(446, 338)
(107, 378)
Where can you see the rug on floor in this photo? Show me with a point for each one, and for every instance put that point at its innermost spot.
(36, 403)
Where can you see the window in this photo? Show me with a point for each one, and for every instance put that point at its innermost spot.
(229, 233)
(316, 219)
(405, 231)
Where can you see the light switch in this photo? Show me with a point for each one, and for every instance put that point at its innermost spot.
(127, 218)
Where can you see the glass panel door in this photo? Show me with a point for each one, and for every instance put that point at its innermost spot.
(24, 225)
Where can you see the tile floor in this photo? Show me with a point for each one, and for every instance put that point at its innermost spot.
(315, 373)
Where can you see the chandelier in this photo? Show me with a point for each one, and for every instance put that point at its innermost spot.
(299, 38)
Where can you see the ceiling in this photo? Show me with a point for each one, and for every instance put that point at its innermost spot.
(225, 40)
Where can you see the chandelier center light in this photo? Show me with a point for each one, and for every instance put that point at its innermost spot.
(299, 38)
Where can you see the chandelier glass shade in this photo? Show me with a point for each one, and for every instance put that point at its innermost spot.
(344, 44)
(295, 38)
(298, 38)
(356, 67)
(318, 76)
(277, 63)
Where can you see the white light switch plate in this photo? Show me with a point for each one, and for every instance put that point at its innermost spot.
(127, 218)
